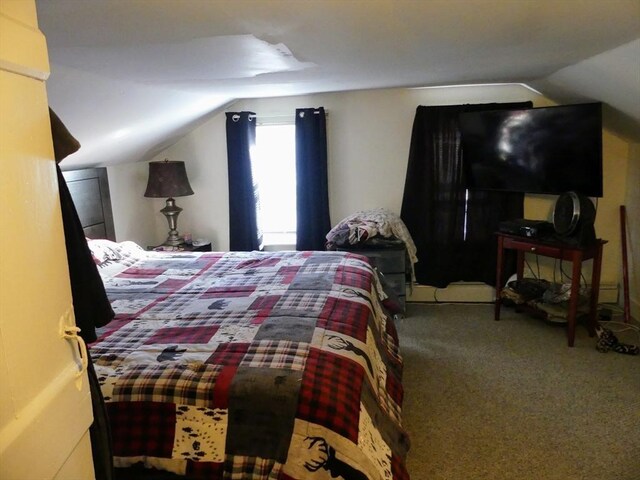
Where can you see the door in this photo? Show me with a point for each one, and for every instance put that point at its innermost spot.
(45, 405)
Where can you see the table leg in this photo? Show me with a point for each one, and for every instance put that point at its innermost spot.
(595, 290)
(499, 267)
(575, 293)
(520, 264)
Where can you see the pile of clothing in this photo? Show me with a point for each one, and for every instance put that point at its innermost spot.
(372, 228)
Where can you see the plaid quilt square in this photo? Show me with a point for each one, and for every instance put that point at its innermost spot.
(312, 281)
(242, 468)
(167, 306)
(183, 335)
(227, 291)
(294, 329)
(229, 354)
(344, 316)
(330, 393)
(319, 258)
(119, 342)
(394, 389)
(130, 304)
(261, 424)
(256, 262)
(287, 273)
(398, 469)
(171, 285)
(276, 354)
(189, 384)
(241, 332)
(264, 304)
(355, 277)
(392, 332)
(203, 470)
(142, 428)
(318, 268)
(110, 328)
(136, 271)
(303, 303)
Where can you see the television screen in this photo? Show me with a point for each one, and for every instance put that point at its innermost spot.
(539, 150)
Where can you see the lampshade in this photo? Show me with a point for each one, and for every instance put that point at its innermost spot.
(168, 179)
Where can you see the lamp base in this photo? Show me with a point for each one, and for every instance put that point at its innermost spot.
(171, 211)
(173, 240)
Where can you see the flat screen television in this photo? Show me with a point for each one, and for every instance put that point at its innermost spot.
(549, 150)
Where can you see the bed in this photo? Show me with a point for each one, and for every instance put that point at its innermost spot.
(250, 365)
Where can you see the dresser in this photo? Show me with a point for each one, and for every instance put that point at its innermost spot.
(391, 261)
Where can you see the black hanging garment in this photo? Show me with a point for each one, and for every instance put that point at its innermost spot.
(90, 303)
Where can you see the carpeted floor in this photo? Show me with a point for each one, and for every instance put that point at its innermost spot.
(509, 400)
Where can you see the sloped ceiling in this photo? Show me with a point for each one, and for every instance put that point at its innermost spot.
(131, 77)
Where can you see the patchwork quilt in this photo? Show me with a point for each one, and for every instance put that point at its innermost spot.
(250, 365)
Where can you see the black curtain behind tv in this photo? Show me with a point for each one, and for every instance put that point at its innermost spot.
(244, 234)
(453, 232)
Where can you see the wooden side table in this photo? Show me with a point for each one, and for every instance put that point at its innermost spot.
(562, 251)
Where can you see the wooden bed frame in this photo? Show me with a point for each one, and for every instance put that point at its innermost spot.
(89, 189)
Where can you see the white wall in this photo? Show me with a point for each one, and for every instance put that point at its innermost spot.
(368, 144)
(135, 217)
(368, 135)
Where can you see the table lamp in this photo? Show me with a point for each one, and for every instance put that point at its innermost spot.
(169, 179)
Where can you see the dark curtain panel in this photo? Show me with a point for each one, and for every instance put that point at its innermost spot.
(312, 190)
(485, 211)
(90, 303)
(243, 223)
(434, 203)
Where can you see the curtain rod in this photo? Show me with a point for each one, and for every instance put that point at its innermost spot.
(292, 115)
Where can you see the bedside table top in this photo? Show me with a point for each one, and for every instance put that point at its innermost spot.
(200, 246)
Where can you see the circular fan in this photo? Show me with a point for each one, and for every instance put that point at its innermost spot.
(571, 211)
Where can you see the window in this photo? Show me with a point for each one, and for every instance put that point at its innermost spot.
(274, 170)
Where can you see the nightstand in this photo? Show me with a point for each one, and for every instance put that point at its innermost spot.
(200, 247)
(184, 247)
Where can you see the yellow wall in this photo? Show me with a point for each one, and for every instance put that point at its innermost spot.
(616, 161)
